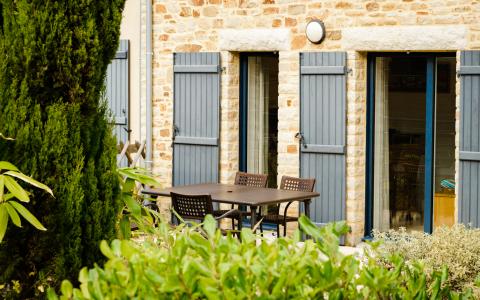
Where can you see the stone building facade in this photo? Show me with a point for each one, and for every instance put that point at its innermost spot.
(357, 27)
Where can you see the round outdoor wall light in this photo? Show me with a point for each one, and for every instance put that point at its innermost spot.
(315, 31)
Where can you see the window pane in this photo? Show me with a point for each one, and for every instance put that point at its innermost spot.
(444, 198)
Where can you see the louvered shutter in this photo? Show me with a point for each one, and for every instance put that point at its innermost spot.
(322, 125)
(196, 118)
(469, 177)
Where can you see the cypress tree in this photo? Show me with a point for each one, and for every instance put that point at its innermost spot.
(53, 60)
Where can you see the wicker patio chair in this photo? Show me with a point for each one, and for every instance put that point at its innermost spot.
(196, 207)
(247, 179)
(291, 184)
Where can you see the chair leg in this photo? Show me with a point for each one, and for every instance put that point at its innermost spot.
(278, 230)
(233, 223)
(285, 229)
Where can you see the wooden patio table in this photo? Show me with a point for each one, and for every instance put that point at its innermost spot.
(240, 195)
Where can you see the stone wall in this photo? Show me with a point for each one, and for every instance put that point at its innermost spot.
(209, 25)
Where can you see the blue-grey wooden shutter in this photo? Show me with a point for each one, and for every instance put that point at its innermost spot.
(322, 125)
(196, 118)
(117, 91)
(469, 177)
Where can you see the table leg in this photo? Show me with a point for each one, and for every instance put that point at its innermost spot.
(253, 216)
(307, 214)
(307, 208)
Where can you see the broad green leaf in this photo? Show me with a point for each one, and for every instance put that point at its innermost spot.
(16, 189)
(308, 227)
(7, 197)
(2, 187)
(67, 288)
(477, 281)
(3, 221)
(5, 165)
(105, 249)
(29, 180)
(210, 225)
(435, 288)
(13, 214)
(340, 228)
(139, 175)
(125, 229)
(51, 295)
(247, 236)
(128, 186)
(444, 274)
(153, 276)
(83, 275)
(115, 246)
(132, 205)
(27, 215)
(127, 249)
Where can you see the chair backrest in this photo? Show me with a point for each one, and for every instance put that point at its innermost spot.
(192, 206)
(249, 179)
(297, 184)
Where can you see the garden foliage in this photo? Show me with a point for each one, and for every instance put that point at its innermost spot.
(53, 60)
(456, 247)
(12, 193)
(197, 262)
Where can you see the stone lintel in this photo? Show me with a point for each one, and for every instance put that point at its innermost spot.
(254, 39)
(398, 38)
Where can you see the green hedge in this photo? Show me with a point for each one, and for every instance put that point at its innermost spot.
(199, 263)
(53, 61)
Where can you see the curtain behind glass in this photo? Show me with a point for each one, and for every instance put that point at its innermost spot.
(257, 131)
(381, 182)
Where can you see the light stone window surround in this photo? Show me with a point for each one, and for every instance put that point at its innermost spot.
(258, 39)
(405, 38)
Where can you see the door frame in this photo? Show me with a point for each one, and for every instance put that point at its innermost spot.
(429, 133)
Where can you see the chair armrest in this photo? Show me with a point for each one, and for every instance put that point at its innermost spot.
(228, 213)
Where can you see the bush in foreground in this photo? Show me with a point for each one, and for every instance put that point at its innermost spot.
(197, 262)
(456, 247)
(53, 60)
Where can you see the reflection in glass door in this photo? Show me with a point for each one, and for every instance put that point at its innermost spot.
(399, 165)
(411, 142)
(444, 185)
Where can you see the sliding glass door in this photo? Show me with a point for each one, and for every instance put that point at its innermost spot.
(410, 147)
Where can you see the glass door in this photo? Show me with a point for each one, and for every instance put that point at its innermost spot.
(399, 148)
(259, 115)
(410, 146)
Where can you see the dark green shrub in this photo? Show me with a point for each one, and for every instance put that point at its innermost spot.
(53, 60)
(199, 263)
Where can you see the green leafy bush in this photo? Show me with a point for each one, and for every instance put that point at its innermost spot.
(11, 192)
(135, 212)
(197, 262)
(53, 60)
(456, 247)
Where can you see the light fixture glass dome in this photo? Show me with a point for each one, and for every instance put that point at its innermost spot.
(315, 31)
